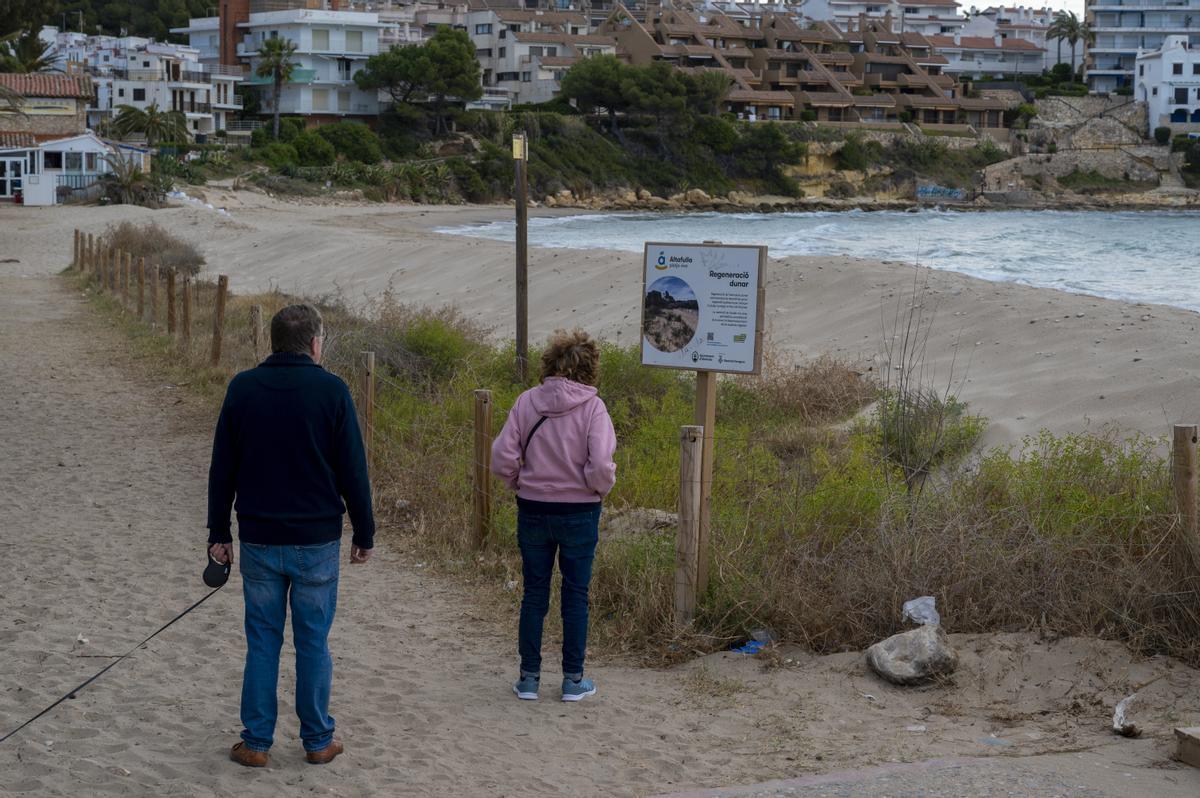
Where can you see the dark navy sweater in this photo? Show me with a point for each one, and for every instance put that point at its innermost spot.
(288, 447)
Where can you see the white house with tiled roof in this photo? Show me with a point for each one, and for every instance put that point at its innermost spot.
(1019, 22)
(927, 17)
(977, 56)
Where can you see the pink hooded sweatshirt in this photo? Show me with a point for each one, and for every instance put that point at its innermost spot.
(570, 457)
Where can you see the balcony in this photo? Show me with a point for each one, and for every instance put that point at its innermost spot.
(193, 108)
(234, 104)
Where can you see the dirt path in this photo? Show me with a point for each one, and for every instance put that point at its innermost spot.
(102, 481)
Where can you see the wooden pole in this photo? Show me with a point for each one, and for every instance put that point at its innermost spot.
(113, 260)
(141, 278)
(91, 254)
(154, 296)
(219, 318)
(706, 417)
(87, 254)
(481, 515)
(1187, 482)
(170, 301)
(687, 544)
(255, 327)
(75, 261)
(522, 190)
(186, 315)
(126, 268)
(368, 410)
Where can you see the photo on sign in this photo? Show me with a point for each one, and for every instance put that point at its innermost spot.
(670, 314)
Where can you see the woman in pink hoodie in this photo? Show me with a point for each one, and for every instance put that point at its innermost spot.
(556, 452)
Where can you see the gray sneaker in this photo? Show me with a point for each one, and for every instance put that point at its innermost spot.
(577, 689)
(527, 686)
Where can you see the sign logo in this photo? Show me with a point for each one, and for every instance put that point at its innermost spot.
(695, 357)
(661, 265)
(740, 338)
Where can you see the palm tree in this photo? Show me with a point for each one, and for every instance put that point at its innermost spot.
(275, 62)
(24, 52)
(156, 125)
(1058, 30)
(1068, 26)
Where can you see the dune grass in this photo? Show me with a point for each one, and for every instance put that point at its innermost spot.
(817, 531)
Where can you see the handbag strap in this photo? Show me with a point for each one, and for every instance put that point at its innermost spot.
(529, 437)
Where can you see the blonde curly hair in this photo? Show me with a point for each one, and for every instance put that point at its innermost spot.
(573, 355)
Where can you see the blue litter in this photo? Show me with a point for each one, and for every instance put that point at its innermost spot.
(751, 647)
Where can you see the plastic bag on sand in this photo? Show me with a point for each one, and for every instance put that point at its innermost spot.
(921, 611)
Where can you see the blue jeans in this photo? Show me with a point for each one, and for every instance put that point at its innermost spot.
(308, 576)
(573, 538)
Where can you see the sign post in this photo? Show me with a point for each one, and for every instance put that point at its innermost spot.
(520, 156)
(702, 310)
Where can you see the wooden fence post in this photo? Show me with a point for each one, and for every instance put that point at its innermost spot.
(255, 327)
(154, 296)
(126, 268)
(75, 262)
(170, 301)
(113, 260)
(91, 254)
(1187, 481)
(481, 515)
(141, 277)
(368, 409)
(219, 318)
(185, 321)
(687, 544)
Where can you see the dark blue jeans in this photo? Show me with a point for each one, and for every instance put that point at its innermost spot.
(308, 577)
(573, 538)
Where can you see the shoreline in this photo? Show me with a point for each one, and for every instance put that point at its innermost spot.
(1025, 358)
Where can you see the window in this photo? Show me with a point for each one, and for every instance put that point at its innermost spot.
(120, 92)
(139, 95)
(354, 41)
(74, 161)
(146, 64)
(524, 77)
(32, 168)
(502, 76)
(344, 66)
(483, 30)
(911, 10)
(1154, 92)
(503, 51)
(273, 34)
(53, 160)
(515, 27)
(504, 34)
(535, 51)
(551, 51)
(91, 161)
(1181, 96)
(320, 99)
(320, 39)
(343, 101)
(487, 53)
(1176, 69)
(1196, 69)
(1141, 69)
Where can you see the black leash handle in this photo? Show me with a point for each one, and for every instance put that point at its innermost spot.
(103, 670)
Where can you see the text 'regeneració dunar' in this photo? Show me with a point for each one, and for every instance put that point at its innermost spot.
(736, 279)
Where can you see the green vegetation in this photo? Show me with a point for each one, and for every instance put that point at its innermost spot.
(926, 159)
(817, 532)
(1162, 135)
(152, 122)
(275, 62)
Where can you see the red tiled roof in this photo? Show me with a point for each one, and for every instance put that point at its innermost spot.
(16, 140)
(982, 43)
(38, 84)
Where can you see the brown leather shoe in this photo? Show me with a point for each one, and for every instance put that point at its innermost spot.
(326, 754)
(248, 756)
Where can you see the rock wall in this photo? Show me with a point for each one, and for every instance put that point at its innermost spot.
(1028, 172)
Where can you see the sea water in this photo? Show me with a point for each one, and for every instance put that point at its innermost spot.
(1143, 256)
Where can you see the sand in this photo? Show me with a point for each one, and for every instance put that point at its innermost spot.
(1025, 358)
(102, 483)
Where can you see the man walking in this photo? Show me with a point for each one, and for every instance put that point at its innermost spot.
(287, 446)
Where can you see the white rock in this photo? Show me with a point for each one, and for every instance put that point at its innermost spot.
(913, 657)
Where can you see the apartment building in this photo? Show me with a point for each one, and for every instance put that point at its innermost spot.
(927, 17)
(1019, 22)
(781, 67)
(331, 47)
(140, 72)
(975, 57)
(1125, 27)
(523, 54)
(1168, 81)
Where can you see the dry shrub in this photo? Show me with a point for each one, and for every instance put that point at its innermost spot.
(825, 390)
(156, 244)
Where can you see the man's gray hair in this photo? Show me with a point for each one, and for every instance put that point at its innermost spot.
(294, 328)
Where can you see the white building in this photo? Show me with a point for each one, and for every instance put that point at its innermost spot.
(927, 17)
(140, 72)
(974, 57)
(1125, 27)
(1019, 22)
(524, 54)
(48, 172)
(1168, 81)
(331, 47)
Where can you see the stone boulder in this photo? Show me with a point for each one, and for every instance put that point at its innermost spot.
(698, 196)
(913, 657)
(634, 521)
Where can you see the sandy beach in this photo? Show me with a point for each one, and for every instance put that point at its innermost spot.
(1025, 358)
(102, 491)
